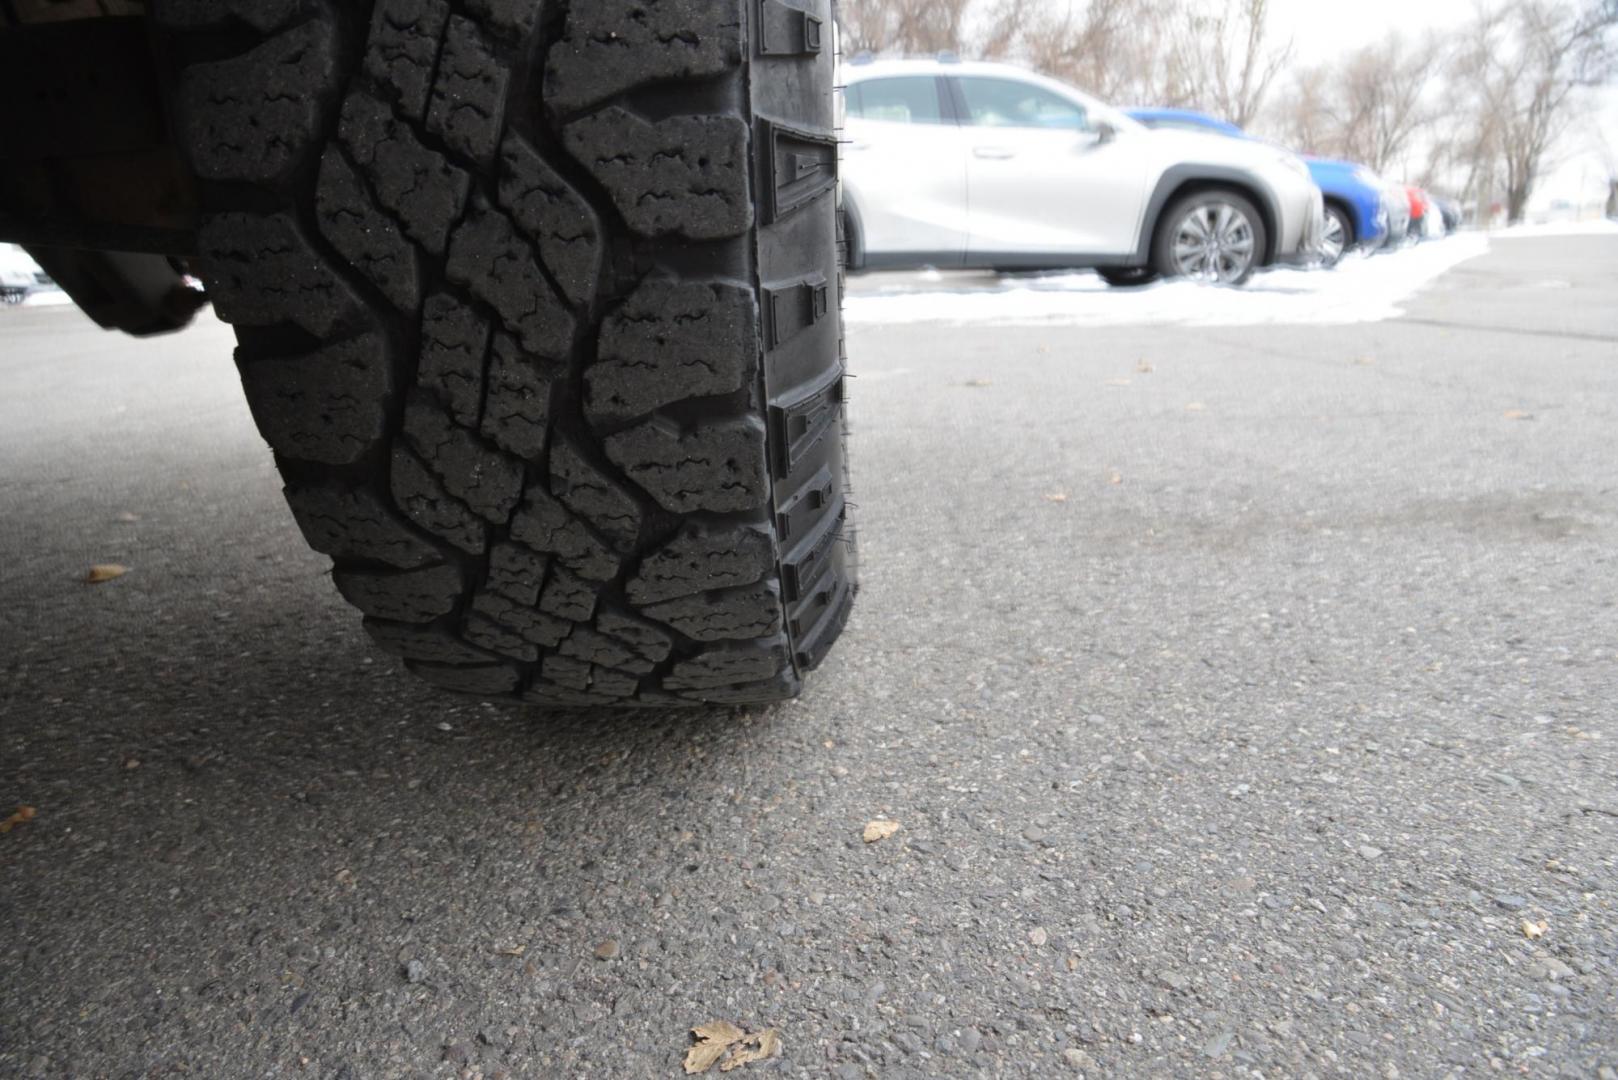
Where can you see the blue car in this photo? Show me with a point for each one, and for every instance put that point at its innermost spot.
(1355, 216)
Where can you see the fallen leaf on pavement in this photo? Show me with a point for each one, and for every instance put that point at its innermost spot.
(127, 518)
(1117, 382)
(880, 829)
(713, 1039)
(977, 382)
(510, 950)
(22, 814)
(760, 1046)
(1518, 414)
(1056, 496)
(1143, 368)
(1196, 406)
(1532, 930)
(1365, 361)
(104, 572)
(1115, 478)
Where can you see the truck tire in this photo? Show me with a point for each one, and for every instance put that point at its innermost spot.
(538, 307)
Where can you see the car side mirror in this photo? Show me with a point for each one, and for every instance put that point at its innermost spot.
(1105, 132)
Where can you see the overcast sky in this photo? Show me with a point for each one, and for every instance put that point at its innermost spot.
(1322, 28)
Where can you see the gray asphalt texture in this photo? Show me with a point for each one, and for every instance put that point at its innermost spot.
(1252, 755)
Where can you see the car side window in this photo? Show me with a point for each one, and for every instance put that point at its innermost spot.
(910, 99)
(1009, 103)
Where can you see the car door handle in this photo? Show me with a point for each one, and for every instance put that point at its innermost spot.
(993, 153)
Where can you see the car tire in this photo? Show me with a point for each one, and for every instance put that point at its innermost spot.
(1127, 277)
(1164, 256)
(1337, 238)
(538, 308)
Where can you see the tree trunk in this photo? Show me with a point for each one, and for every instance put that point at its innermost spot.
(1516, 203)
(1612, 198)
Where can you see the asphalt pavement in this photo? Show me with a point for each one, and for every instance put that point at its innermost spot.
(1244, 698)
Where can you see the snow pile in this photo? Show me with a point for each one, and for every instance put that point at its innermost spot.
(1360, 290)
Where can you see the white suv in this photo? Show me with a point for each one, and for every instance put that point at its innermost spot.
(986, 166)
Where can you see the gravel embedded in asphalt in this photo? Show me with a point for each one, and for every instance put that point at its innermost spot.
(1230, 740)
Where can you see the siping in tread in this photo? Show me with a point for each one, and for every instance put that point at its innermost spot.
(538, 309)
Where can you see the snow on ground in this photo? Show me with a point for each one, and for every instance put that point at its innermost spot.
(51, 297)
(1360, 290)
(1588, 227)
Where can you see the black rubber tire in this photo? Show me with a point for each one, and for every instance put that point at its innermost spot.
(1128, 277)
(538, 306)
(1346, 223)
(1162, 242)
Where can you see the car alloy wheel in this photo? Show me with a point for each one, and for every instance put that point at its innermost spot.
(1333, 240)
(1213, 242)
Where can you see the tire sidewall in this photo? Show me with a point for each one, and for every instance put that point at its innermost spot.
(1134, 277)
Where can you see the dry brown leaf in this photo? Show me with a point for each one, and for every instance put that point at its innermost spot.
(760, 1046)
(1143, 368)
(1056, 496)
(104, 572)
(1533, 930)
(1115, 478)
(977, 382)
(1518, 414)
(701, 1057)
(713, 1039)
(1196, 406)
(1365, 361)
(510, 950)
(879, 829)
(20, 815)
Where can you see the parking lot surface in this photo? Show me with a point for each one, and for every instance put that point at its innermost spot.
(1243, 696)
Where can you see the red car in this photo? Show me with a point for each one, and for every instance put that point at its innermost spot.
(1420, 204)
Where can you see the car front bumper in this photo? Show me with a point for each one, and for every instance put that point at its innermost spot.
(1304, 230)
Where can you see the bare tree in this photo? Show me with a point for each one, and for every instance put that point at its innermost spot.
(1002, 32)
(1225, 46)
(1300, 118)
(903, 26)
(1116, 49)
(1524, 64)
(1381, 99)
